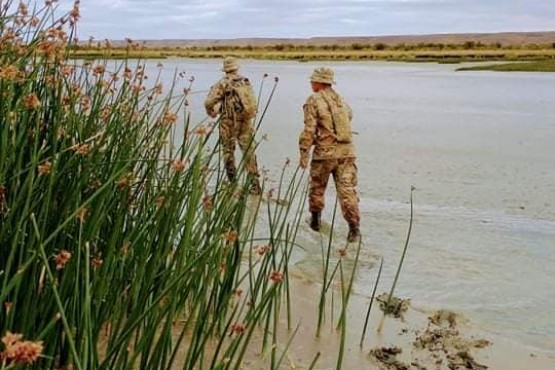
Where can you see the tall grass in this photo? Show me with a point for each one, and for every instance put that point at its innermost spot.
(119, 249)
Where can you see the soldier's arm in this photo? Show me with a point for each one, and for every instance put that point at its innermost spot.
(307, 137)
(348, 107)
(214, 99)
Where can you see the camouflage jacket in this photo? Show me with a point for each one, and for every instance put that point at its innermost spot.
(215, 102)
(319, 128)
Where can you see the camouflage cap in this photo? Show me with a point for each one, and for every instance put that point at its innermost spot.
(230, 64)
(323, 75)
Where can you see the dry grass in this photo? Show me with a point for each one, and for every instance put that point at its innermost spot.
(308, 54)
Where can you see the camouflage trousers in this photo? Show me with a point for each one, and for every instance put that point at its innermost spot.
(242, 133)
(344, 172)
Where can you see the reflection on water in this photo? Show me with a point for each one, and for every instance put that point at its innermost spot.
(478, 146)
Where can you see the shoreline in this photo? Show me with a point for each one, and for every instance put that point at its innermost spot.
(500, 353)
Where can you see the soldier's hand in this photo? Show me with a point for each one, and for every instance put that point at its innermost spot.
(303, 162)
(213, 114)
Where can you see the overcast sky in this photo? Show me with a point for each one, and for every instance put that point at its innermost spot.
(189, 19)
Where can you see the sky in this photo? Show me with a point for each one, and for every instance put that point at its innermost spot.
(224, 19)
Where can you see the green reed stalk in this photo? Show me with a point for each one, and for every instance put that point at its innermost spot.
(371, 303)
(380, 326)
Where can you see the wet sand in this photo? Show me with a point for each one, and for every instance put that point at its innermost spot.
(450, 343)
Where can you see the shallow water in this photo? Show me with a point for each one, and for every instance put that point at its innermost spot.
(478, 147)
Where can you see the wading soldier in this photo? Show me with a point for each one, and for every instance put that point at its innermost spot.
(233, 99)
(327, 128)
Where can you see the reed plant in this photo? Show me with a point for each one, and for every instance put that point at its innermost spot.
(121, 249)
(122, 245)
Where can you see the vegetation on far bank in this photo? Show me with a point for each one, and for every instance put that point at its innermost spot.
(534, 66)
(442, 53)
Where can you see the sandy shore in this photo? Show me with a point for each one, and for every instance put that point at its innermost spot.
(449, 343)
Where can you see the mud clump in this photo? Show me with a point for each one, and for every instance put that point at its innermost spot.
(443, 340)
(463, 360)
(395, 307)
(387, 358)
(443, 317)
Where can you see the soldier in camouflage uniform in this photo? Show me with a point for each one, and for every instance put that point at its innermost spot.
(233, 129)
(330, 155)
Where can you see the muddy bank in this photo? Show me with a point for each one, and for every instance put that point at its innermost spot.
(421, 340)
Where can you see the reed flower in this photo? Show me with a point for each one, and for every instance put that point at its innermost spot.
(82, 214)
(74, 14)
(178, 165)
(95, 184)
(82, 149)
(67, 70)
(169, 118)
(276, 277)
(22, 9)
(31, 101)
(19, 352)
(76, 90)
(207, 203)
(237, 329)
(99, 70)
(45, 168)
(34, 22)
(261, 249)
(125, 181)
(61, 259)
(203, 130)
(96, 262)
(230, 236)
(85, 103)
(9, 73)
(138, 88)
(125, 247)
(127, 73)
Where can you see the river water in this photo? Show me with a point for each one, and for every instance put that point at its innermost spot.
(480, 149)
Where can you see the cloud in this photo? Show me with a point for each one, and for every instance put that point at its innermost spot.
(155, 19)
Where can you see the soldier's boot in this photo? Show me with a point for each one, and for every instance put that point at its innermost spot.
(315, 221)
(255, 188)
(354, 233)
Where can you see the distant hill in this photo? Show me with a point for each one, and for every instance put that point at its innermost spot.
(505, 38)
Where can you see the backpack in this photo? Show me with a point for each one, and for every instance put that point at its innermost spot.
(240, 101)
(341, 119)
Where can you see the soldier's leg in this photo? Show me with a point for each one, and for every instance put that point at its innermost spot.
(248, 147)
(319, 176)
(227, 143)
(346, 180)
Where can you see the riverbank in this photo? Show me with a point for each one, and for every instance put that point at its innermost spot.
(419, 340)
(536, 66)
(439, 55)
